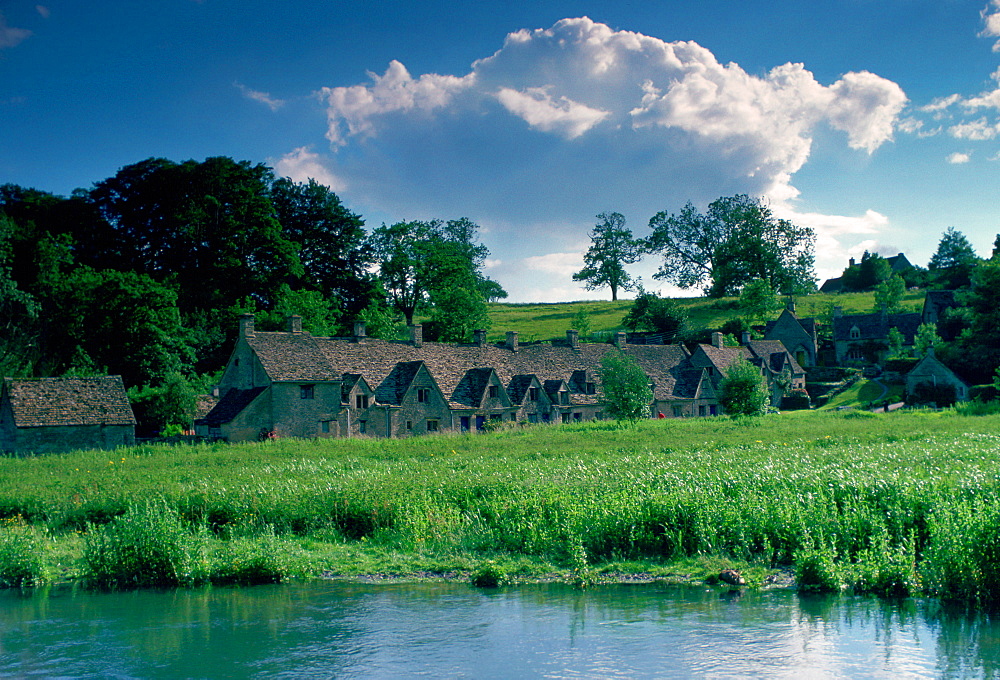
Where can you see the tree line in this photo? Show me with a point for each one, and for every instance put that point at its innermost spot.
(145, 273)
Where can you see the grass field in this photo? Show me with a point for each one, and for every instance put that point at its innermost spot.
(894, 504)
(546, 321)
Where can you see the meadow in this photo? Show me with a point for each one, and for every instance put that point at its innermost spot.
(892, 504)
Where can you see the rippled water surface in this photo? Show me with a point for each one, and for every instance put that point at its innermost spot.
(330, 629)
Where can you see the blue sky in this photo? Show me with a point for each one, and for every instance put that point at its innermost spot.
(876, 122)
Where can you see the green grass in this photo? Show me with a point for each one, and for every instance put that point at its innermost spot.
(547, 321)
(895, 502)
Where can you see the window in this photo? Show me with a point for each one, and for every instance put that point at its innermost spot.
(465, 423)
(566, 417)
(324, 426)
(409, 425)
(564, 397)
(855, 333)
(362, 426)
(423, 394)
(678, 411)
(591, 388)
(494, 391)
(432, 426)
(306, 392)
(532, 394)
(361, 400)
(701, 410)
(577, 417)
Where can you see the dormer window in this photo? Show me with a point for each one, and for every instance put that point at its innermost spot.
(494, 391)
(361, 401)
(307, 392)
(532, 394)
(855, 333)
(564, 397)
(591, 388)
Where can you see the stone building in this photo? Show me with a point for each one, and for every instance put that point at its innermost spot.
(931, 372)
(861, 339)
(54, 415)
(779, 369)
(799, 336)
(292, 384)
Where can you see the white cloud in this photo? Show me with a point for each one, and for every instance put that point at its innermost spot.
(976, 130)
(43, 11)
(565, 264)
(563, 116)
(991, 23)
(302, 165)
(10, 36)
(958, 158)
(941, 103)
(262, 97)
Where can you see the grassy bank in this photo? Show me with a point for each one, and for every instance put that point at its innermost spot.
(893, 504)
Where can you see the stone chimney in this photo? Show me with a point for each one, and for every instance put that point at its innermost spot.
(838, 312)
(246, 325)
(717, 339)
(512, 341)
(746, 338)
(479, 337)
(851, 262)
(294, 323)
(620, 339)
(790, 305)
(417, 335)
(359, 331)
(573, 336)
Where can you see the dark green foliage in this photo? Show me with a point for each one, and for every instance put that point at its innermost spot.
(866, 275)
(627, 395)
(612, 247)
(22, 558)
(490, 575)
(952, 264)
(796, 400)
(652, 313)
(742, 391)
(171, 403)
(817, 571)
(929, 394)
(736, 240)
(251, 560)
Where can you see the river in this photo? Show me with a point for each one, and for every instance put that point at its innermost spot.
(327, 629)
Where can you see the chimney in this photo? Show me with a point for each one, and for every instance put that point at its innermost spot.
(790, 305)
(246, 325)
(417, 335)
(746, 338)
(573, 337)
(620, 339)
(838, 312)
(359, 331)
(717, 339)
(851, 262)
(479, 337)
(294, 323)
(512, 341)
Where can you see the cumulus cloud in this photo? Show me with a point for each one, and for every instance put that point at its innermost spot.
(976, 130)
(262, 97)
(302, 165)
(10, 36)
(43, 11)
(991, 23)
(958, 158)
(563, 116)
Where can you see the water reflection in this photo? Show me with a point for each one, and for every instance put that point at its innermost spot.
(326, 629)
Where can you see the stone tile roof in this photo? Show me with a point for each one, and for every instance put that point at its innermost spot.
(230, 405)
(875, 326)
(774, 354)
(470, 389)
(292, 357)
(393, 388)
(518, 386)
(46, 402)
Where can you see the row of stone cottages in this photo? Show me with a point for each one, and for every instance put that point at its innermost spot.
(294, 384)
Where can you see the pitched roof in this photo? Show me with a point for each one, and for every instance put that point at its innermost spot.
(470, 389)
(395, 385)
(45, 402)
(291, 357)
(230, 405)
(876, 326)
(775, 355)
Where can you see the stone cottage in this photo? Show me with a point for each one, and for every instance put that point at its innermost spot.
(779, 369)
(861, 339)
(54, 415)
(799, 336)
(929, 371)
(292, 384)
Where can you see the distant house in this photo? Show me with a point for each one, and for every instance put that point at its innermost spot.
(779, 369)
(53, 415)
(897, 263)
(929, 371)
(799, 336)
(860, 339)
(294, 384)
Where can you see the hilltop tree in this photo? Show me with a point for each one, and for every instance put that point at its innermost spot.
(612, 247)
(758, 301)
(736, 240)
(952, 263)
(650, 312)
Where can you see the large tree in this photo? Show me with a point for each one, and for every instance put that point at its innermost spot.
(952, 263)
(736, 240)
(612, 246)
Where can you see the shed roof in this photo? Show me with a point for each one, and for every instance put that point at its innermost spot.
(46, 402)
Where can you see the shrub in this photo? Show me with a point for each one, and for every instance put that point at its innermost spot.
(743, 392)
(251, 561)
(816, 571)
(490, 575)
(22, 559)
(796, 401)
(147, 546)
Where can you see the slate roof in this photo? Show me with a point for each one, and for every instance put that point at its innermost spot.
(875, 326)
(470, 389)
(45, 402)
(292, 357)
(518, 387)
(394, 387)
(230, 405)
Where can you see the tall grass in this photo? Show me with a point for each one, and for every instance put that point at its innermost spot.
(885, 503)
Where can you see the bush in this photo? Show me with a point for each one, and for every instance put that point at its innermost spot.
(22, 559)
(743, 392)
(984, 393)
(816, 571)
(490, 575)
(926, 393)
(147, 546)
(796, 401)
(251, 561)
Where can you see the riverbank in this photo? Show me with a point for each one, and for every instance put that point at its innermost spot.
(900, 503)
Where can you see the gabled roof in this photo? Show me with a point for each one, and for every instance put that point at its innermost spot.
(875, 326)
(45, 402)
(788, 319)
(291, 357)
(230, 405)
(518, 387)
(352, 380)
(471, 388)
(393, 389)
(774, 355)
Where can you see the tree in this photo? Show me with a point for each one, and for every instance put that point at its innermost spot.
(652, 313)
(926, 338)
(889, 294)
(952, 263)
(627, 394)
(456, 314)
(737, 240)
(895, 341)
(581, 322)
(612, 247)
(758, 301)
(742, 391)
(158, 407)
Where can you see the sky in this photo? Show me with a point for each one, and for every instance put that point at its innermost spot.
(875, 122)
